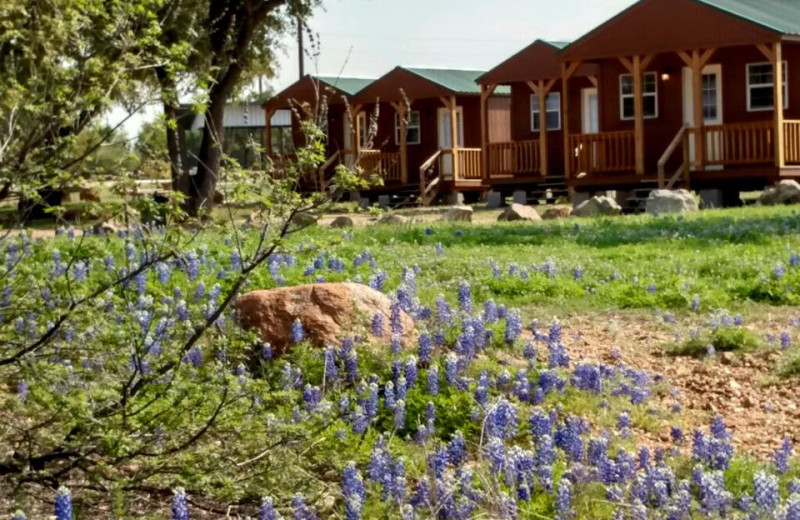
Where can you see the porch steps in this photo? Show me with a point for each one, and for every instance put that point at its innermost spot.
(550, 190)
(635, 200)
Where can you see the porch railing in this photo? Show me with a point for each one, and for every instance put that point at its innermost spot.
(469, 163)
(735, 144)
(514, 158)
(385, 164)
(791, 139)
(604, 152)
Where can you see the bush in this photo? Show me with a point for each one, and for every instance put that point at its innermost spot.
(723, 339)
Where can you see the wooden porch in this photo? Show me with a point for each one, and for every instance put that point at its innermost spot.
(713, 151)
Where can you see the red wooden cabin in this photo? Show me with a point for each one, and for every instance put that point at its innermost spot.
(306, 98)
(419, 112)
(687, 92)
(532, 159)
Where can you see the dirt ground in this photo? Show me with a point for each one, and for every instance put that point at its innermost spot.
(759, 410)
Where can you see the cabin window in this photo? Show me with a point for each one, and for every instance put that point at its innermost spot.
(363, 131)
(282, 141)
(552, 111)
(761, 87)
(413, 132)
(649, 96)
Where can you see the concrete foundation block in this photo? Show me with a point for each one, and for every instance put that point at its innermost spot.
(363, 202)
(578, 198)
(384, 201)
(494, 199)
(455, 198)
(520, 197)
(710, 199)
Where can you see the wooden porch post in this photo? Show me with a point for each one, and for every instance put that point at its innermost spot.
(777, 68)
(542, 89)
(268, 113)
(638, 109)
(355, 128)
(486, 94)
(401, 109)
(454, 134)
(567, 70)
(697, 62)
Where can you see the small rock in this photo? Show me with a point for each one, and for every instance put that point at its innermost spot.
(302, 220)
(458, 214)
(518, 212)
(393, 219)
(557, 212)
(785, 192)
(342, 222)
(671, 201)
(598, 206)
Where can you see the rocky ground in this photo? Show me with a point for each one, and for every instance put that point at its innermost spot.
(759, 409)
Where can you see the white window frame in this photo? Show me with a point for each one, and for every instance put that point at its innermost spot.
(535, 113)
(772, 85)
(363, 130)
(418, 126)
(623, 97)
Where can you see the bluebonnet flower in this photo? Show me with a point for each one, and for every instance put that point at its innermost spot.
(297, 332)
(568, 438)
(793, 487)
(676, 433)
(564, 501)
(779, 271)
(266, 351)
(353, 491)
(377, 325)
(577, 274)
(439, 249)
(782, 457)
(786, 340)
(766, 491)
(513, 327)
(388, 395)
(195, 357)
(433, 380)
(378, 280)
(540, 424)
(425, 348)
(301, 510)
(63, 505)
(311, 397)
(22, 390)
(457, 450)
(411, 372)
(792, 510)
(451, 369)
(360, 421)
(696, 303)
(529, 351)
(331, 373)
(588, 378)
(501, 420)
(623, 421)
(267, 510)
(652, 288)
(464, 297)
(490, 311)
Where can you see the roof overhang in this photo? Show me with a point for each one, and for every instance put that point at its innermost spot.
(659, 26)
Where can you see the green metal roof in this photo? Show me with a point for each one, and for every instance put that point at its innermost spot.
(781, 16)
(349, 86)
(459, 81)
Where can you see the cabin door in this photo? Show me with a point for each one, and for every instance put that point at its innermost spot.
(446, 139)
(349, 149)
(590, 119)
(712, 110)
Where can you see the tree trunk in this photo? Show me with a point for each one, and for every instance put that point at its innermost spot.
(175, 137)
(203, 184)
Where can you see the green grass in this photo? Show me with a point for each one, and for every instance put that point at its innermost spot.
(723, 339)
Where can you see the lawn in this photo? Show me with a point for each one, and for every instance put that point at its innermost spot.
(568, 369)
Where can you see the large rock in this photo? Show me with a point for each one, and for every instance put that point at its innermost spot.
(342, 222)
(88, 195)
(557, 212)
(458, 214)
(329, 312)
(517, 212)
(598, 206)
(302, 220)
(671, 201)
(785, 192)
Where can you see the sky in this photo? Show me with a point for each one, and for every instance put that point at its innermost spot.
(367, 38)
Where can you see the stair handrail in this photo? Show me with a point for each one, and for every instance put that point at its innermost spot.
(662, 163)
(423, 171)
(322, 169)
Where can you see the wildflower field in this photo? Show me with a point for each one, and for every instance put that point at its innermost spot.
(574, 369)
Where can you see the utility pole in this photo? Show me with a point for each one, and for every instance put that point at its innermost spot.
(300, 50)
